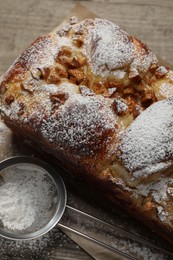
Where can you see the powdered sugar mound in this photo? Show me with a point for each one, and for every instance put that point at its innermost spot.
(149, 140)
(108, 47)
(27, 197)
(85, 126)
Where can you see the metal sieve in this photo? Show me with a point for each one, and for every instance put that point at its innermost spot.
(25, 177)
(33, 195)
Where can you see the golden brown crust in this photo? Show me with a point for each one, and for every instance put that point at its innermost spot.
(97, 99)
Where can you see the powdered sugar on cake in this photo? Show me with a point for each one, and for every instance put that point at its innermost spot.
(148, 142)
(84, 125)
(40, 54)
(158, 189)
(166, 89)
(108, 47)
(110, 50)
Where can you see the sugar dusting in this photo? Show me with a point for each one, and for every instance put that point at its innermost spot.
(126, 242)
(2, 130)
(27, 194)
(47, 58)
(166, 89)
(108, 47)
(82, 127)
(162, 70)
(111, 51)
(143, 59)
(41, 54)
(148, 142)
(120, 105)
(162, 214)
(160, 192)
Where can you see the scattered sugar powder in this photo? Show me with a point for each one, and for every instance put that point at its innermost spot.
(149, 140)
(108, 47)
(28, 198)
(45, 247)
(111, 50)
(83, 126)
(159, 191)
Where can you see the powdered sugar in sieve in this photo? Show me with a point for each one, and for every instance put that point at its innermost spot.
(31, 200)
(28, 198)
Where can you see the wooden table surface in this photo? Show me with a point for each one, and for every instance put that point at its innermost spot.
(23, 21)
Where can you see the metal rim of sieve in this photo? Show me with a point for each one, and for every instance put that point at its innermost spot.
(60, 187)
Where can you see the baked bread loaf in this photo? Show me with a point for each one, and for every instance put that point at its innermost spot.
(96, 98)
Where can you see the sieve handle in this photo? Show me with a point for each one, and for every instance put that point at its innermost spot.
(122, 243)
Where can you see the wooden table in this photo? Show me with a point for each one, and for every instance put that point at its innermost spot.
(23, 21)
